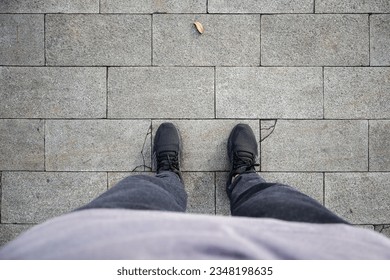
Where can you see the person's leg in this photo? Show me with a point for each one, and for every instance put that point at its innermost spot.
(252, 196)
(165, 191)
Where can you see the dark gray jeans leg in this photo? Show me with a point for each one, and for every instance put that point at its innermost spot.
(252, 196)
(164, 191)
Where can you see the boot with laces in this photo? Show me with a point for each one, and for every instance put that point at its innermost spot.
(242, 152)
(167, 149)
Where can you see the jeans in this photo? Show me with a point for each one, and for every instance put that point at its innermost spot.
(249, 194)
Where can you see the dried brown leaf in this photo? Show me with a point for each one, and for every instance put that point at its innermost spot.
(199, 27)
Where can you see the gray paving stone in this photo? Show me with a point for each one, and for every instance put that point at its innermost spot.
(361, 198)
(200, 187)
(316, 145)
(9, 232)
(98, 40)
(50, 92)
(222, 203)
(352, 6)
(380, 39)
(49, 6)
(380, 145)
(384, 229)
(357, 92)
(32, 197)
(205, 142)
(269, 92)
(97, 145)
(161, 92)
(314, 40)
(311, 184)
(228, 40)
(260, 6)
(153, 6)
(21, 145)
(21, 39)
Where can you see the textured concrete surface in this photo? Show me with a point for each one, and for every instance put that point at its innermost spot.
(380, 39)
(22, 39)
(360, 198)
(22, 145)
(361, 92)
(228, 40)
(153, 6)
(261, 6)
(337, 146)
(98, 39)
(275, 92)
(352, 6)
(314, 40)
(379, 145)
(84, 84)
(32, 197)
(96, 145)
(161, 92)
(47, 92)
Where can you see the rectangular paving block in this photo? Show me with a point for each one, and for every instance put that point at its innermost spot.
(95, 40)
(153, 6)
(9, 232)
(21, 39)
(260, 6)
(352, 6)
(227, 40)
(360, 198)
(161, 92)
(357, 92)
(316, 145)
(32, 197)
(222, 202)
(380, 145)
(97, 145)
(310, 184)
(21, 145)
(380, 39)
(314, 40)
(200, 187)
(49, 6)
(205, 142)
(269, 92)
(50, 92)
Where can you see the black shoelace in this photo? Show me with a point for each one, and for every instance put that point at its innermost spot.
(168, 161)
(243, 161)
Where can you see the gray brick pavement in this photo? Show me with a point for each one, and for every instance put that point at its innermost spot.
(337, 146)
(229, 40)
(52, 92)
(361, 92)
(269, 92)
(314, 40)
(33, 197)
(93, 40)
(161, 92)
(22, 39)
(153, 6)
(380, 39)
(310, 77)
